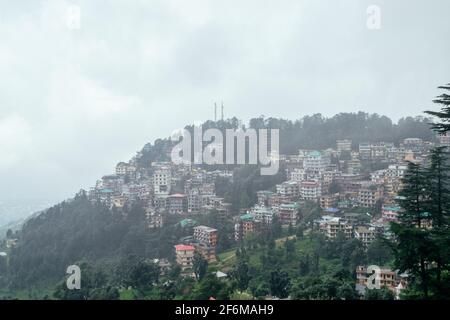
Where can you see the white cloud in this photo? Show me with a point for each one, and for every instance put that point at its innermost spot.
(76, 98)
(15, 140)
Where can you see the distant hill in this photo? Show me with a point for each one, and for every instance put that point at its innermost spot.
(14, 212)
(16, 225)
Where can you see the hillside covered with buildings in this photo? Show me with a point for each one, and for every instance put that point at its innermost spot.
(153, 229)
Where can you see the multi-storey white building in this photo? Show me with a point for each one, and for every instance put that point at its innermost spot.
(185, 256)
(121, 168)
(288, 189)
(162, 181)
(353, 166)
(365, 151)
(380, 150)
(194, 199)
(344, 145)
(206, 235)
(378, 176)
(316, 161)
(396, 171)
(365, 234)
(263, 213)
(298, 175)
(331, 226)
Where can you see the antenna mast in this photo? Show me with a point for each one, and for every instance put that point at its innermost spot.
(215, 112)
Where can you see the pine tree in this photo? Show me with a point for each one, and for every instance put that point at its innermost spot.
(438, 177)
(241, 271)
(412, 197)
(444, 114)
(413, 246)
(438, 205)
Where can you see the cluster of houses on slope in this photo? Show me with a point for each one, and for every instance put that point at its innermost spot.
(338, 180)
(162, 189)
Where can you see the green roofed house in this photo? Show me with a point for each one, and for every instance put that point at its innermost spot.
(315, 161)
(426, 222)
(425, 215)
(106, 191)
(187, 223)
(263, 213)
(247, 217)
(390, 213)
(315, 153)
(245, 225)
(293, 205)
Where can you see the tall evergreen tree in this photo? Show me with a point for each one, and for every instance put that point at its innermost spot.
(413, 247)
(438, 176)
(241, 271)
(422, 238)
(439, 204)
(412, 197)
(444, 115)
(439, 208)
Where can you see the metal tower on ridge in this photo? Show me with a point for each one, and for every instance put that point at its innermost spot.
(215, 112)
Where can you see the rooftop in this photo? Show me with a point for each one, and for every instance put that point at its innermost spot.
(332, 210)
(188, 222)
(264, 192)
(392, 208)
(106, 191)
(247, 217)
(206, 228)
(293, 205)
(177, 195)
(315, 153)
(184, 247)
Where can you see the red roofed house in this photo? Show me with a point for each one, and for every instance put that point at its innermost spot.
(184, 256)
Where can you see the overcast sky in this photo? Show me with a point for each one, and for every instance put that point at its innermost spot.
(76, 99)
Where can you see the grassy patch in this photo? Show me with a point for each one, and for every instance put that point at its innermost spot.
(126, 294)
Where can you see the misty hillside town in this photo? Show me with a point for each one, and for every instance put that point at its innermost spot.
(332, 223)
(210, 159)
